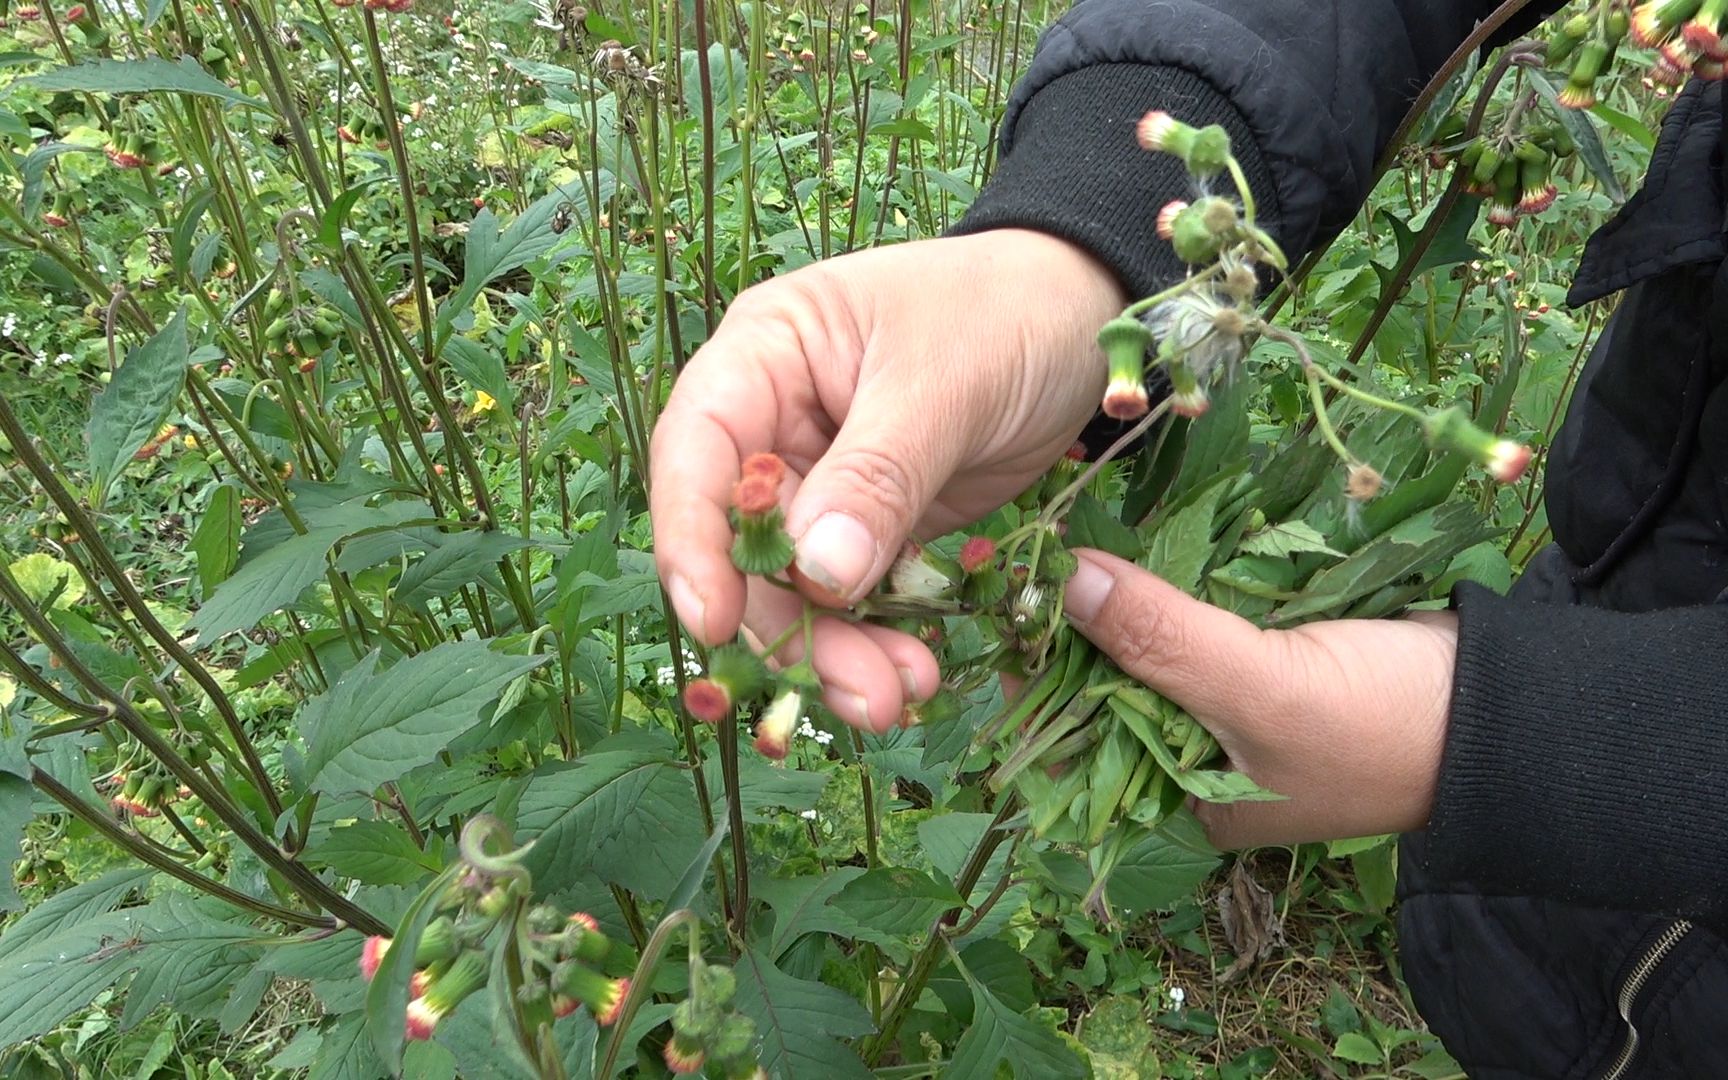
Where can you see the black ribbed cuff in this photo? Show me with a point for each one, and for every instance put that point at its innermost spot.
(1073, 169)
(1585, 757)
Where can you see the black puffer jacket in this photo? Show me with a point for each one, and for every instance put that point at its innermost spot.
(1563, 916)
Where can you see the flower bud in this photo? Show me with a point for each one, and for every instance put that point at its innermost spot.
(372, 954)
(1580, 89)
(977, 553)
(707, 701)
(1362, 483)
(603, 997)
(1167, 218)
(1704, 32)
(1505, 460)
(1124, 341)
(1187, 397)
(762, 546)
(913, 575)
(583, 939)
(683, 1055)
(465, 975)
(774, 730)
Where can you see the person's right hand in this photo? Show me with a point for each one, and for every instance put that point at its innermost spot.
(911, 390)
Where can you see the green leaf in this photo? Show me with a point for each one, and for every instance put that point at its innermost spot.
(216, 542)
(378, 853)
(482, 368)
(765, 791)
(133, 408)
(1426, 541)
(80, 904)
(627, 815)
(1354, 1046)
(492, 253)
(330, 230)
(191, 959)
(1376, 873)
(49, 582)
(449, 566)
(1583, 132)
(801, 906)
(1182, 546)
(1290, 538)
(1092, 526)
(1257, 575)
(35, 167)
(1000, 1036)
(697, 872)
(626, 594)
(372, 727)
(895, 903)
(141, 77)
(273, 579)
(57, 973)
(798, 1022)
(1160, 870)
(16, 796)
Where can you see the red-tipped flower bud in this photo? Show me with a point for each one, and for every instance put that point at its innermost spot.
(774, 730)
(977, 553)
(1167, 218)
(372, 954)
(707, 701)
(603, 997)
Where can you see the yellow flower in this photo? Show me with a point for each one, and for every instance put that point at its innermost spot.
(484, 402)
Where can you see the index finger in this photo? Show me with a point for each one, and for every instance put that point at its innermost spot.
(722, 409)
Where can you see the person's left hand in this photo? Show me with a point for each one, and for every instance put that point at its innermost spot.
(1346, 719)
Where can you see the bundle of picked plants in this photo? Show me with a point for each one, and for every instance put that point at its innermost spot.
(1356, 513)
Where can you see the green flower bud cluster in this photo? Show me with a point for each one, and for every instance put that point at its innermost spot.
(708, 1031)
(301, 331)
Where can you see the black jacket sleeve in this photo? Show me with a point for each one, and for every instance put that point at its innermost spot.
(1310, 90)
(1585, 753)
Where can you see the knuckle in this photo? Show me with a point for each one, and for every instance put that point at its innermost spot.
(884, 480)
(1152, 637)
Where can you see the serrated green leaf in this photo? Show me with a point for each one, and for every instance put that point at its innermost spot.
(1161, 869)
(492, 252)
(216, 542)
(454, 563)
(895, 903)
(330, 229)
(56, 973)
(145, 76)
(191, 960)
(801, 906)
(625, 594)
(1289, 538)
(273, 579)
(1182, 545)
(798, 1022)
(372, 727)
(47, 581)
(1090, 525)
(628, 815)
(1258, 575)
(1426, 541)
(482, 368)
(378, 853)
(1000, 1036)
(765, 791)
(136, 403)
(346, 1053)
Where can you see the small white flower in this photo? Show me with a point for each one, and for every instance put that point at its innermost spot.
(666, 676)
(1177, 997)
(807, 815)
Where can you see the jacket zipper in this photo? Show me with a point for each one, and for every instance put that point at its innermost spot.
(1629, 990)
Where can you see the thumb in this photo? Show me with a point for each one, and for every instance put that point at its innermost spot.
(862, 498)
(1210, 662)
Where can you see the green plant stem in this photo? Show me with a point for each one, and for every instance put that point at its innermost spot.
(81, 523)
(309, 885)
(131, 844)
(642, 982)
(924, 963)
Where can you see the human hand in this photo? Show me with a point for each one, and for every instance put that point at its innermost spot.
(911, 390)
(1346, 719)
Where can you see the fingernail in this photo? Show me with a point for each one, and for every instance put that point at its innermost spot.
(860, 707)
(1087, 590)
(908, 680)
(692, 612)
(836, 552)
